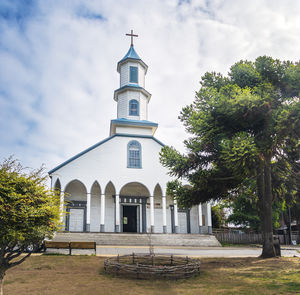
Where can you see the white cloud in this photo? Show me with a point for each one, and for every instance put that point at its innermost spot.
(58, 65)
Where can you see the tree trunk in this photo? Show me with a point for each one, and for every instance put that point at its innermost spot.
(260, 183)
(2, 273)
(267, 200)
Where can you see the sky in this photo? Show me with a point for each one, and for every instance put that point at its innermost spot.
(58, 62)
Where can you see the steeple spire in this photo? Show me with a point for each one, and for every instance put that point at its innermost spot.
(132, 35)
(132, 97)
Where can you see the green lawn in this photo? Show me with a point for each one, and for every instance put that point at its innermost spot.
(66, 275)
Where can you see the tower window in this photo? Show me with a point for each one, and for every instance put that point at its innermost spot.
(133, 75)
(133, 108)
(134, 152)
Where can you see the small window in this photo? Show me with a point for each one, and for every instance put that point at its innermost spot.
(133, 75)
(134, 154)
(133, 108)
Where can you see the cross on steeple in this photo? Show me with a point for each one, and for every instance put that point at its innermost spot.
(132, 35)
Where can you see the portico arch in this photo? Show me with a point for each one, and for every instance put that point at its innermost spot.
(96, 189)
(110, 189)
(133, 201)
(76, 197)
(75, 190)
(134, 189)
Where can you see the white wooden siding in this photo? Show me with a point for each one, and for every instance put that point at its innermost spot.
(124, 74)
(143, 107)
(194, 220)
(122, 105)
(141, 76)
(133, 130)
(95, 213)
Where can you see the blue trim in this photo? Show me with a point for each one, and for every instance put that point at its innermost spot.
(100, 143)
(131, 112)
(140, 154)
(134, 87)
(131, 54)
(130, 86)
(124, 121)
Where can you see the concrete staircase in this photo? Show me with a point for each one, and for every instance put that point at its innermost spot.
(125, 239)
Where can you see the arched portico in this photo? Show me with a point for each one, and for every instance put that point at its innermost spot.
(133, 208)
(75, 194)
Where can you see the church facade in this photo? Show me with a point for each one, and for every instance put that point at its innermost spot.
(118, 184)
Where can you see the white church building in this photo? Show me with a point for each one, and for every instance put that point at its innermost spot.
(119, 184)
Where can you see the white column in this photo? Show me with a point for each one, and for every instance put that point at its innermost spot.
(61, 206)
(102, 213)
(152, 214)
(164, 209)
(200, 218)
(117, 226)
(88, 212)
(208, 212)
(176, 217)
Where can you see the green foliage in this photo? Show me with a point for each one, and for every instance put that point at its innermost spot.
(218, 216)
(244, 74)
(215, 80)
(235, 124)
(244, 207)
(29, 212)
(244, 126)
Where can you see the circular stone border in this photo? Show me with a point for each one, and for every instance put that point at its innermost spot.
(143, 266)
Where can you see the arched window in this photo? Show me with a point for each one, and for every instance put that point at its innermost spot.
(133, 108)
(134, 154)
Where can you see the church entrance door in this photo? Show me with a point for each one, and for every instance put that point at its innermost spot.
(130, 219)
(76, 220)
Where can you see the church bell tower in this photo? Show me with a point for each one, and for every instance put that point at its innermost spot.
(132, 98)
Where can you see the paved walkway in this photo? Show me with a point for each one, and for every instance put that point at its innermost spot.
(186, 251)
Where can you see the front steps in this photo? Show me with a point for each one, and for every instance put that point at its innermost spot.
(126, 239)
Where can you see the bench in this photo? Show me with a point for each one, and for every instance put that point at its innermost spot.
(69, 245)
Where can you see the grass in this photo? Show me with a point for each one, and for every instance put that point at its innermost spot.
(66, 275)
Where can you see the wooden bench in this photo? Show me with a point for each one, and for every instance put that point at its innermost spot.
(69, 245)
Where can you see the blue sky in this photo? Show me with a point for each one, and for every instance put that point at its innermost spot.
(58, 63)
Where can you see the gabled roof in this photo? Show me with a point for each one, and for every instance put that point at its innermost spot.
(131, 55)
(100, 143)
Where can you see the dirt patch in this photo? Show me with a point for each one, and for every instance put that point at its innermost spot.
(47, 275)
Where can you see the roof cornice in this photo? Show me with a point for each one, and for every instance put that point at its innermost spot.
(132, 87)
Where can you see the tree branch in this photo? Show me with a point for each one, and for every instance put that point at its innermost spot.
(19, 261)
(15, 255)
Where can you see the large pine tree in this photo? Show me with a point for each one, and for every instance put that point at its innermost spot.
(239, 127)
